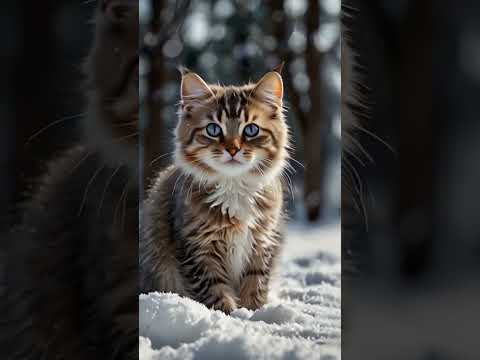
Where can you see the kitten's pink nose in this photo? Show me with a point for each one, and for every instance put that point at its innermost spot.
(233, 151)
(233, 146)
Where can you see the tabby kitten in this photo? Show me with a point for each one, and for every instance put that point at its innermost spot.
(213, 221)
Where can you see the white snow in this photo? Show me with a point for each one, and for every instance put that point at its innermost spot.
(301, 320)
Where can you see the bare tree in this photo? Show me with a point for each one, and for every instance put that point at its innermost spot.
(155, 32)
(313, 122)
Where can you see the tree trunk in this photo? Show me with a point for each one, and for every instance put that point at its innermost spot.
(315, 127)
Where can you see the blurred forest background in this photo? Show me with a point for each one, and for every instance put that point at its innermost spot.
(417, 289)
(422, 68)
(43, 47)
(233, 42)
(45, 43)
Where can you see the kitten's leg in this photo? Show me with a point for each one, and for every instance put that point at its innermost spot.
(254, 289)
(255, 281)
(205, 268)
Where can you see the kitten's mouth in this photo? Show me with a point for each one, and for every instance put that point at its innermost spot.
(233, 162)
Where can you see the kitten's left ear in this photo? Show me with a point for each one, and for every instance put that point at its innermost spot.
(193, 87)
(270, 87)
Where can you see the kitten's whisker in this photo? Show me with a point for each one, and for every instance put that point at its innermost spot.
(42, 130)
(127, 124)
(183, 184)
(124, 209)
(107, 184)
(297, 162)
(352, 192)
(284, 176)
(376, 137)
(360, 147)
(119, 202)
(80, 162)
(289, 184)
(359, 190)
(355, 156)
(176, 181)
(87, 188)
(124, 137)
(349, 182)
(161, 157)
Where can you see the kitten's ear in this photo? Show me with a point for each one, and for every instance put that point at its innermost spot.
(193, 87)
(279, 67)
(270, 87)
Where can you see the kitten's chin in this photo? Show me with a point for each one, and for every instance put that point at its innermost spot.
(230, 168)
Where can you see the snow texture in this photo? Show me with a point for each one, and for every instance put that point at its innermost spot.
(301, 320)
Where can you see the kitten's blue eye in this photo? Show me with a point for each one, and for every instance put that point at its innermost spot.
(251, 130)
(214, 130)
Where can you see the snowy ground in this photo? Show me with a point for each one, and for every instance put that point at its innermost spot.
(302, 320)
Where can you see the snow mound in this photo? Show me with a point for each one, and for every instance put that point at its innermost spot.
(302, 320)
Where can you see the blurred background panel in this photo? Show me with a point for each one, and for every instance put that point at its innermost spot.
(41, 99)
(234, 42)
(418, 259)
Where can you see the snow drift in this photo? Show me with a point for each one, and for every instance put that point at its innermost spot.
(301, 321)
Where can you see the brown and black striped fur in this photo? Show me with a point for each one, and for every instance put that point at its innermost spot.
(211, 230)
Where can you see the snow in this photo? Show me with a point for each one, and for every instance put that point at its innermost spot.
(301, 320)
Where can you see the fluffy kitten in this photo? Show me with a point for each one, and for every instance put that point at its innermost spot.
(212, 222)
(72, 270)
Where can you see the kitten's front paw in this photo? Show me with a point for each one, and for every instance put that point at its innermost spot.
(226, 304)
(252, 302)
(222, 297)
(253, 295)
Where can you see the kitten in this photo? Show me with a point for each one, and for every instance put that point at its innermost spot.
(72, 270)
(212, 225)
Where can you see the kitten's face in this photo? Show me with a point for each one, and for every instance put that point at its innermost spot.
(232, 131)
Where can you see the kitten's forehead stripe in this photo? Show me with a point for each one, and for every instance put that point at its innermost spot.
(246, 114)
(232, 127)
(233, 106)
(220, 108)
(232, 102)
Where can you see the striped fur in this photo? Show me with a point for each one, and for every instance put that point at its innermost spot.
(212, 229)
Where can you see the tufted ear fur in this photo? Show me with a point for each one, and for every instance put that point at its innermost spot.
(279, 67)
(270, 87)
(193, 87)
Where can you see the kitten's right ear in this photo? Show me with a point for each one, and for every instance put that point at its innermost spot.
(193, 87)
(279, 67)
(270, 87)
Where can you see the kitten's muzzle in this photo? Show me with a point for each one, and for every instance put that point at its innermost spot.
(233, 147)
(233, 151)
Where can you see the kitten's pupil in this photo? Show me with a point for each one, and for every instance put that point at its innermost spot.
(251, 130)
(214, 130)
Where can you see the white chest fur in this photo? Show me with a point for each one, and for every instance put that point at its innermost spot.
(235, 199)
(240, 248)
